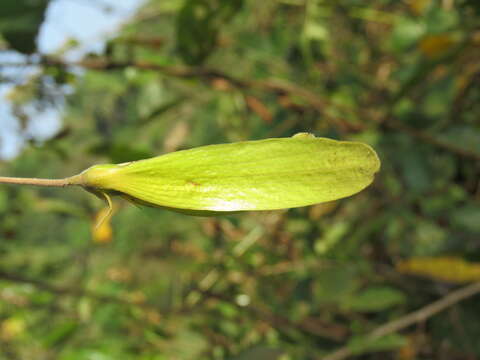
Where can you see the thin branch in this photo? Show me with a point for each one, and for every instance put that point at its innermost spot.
(272, 85)
(279, 87)
(415, 317)
(313, 100)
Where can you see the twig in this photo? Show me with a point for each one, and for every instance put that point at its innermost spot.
(312, 99)
(415, 317)
(272, 85)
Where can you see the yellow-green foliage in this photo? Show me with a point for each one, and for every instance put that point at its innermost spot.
(249, 175)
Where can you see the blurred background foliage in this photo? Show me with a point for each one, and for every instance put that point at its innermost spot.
(402, 76)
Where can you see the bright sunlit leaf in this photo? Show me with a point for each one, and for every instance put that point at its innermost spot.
(250, 175)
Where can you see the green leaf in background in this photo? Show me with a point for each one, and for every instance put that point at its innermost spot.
(465, 136)
(335, 284)
(360, 344)
(60, 333)
(467, 218)
(20, 22)
(251, 175)
(374, 299)
(260, 353)
(198, 25)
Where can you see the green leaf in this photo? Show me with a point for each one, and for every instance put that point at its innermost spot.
(467, 218)
(60, 333)
(463, 136)
(361, 344)
(375, 299)
(335, 284)
(406, 33)
(198, 25)
(260, 353)
(20, 21)
(251, 175)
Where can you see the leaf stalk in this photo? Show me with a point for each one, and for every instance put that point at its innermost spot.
(35, 181)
